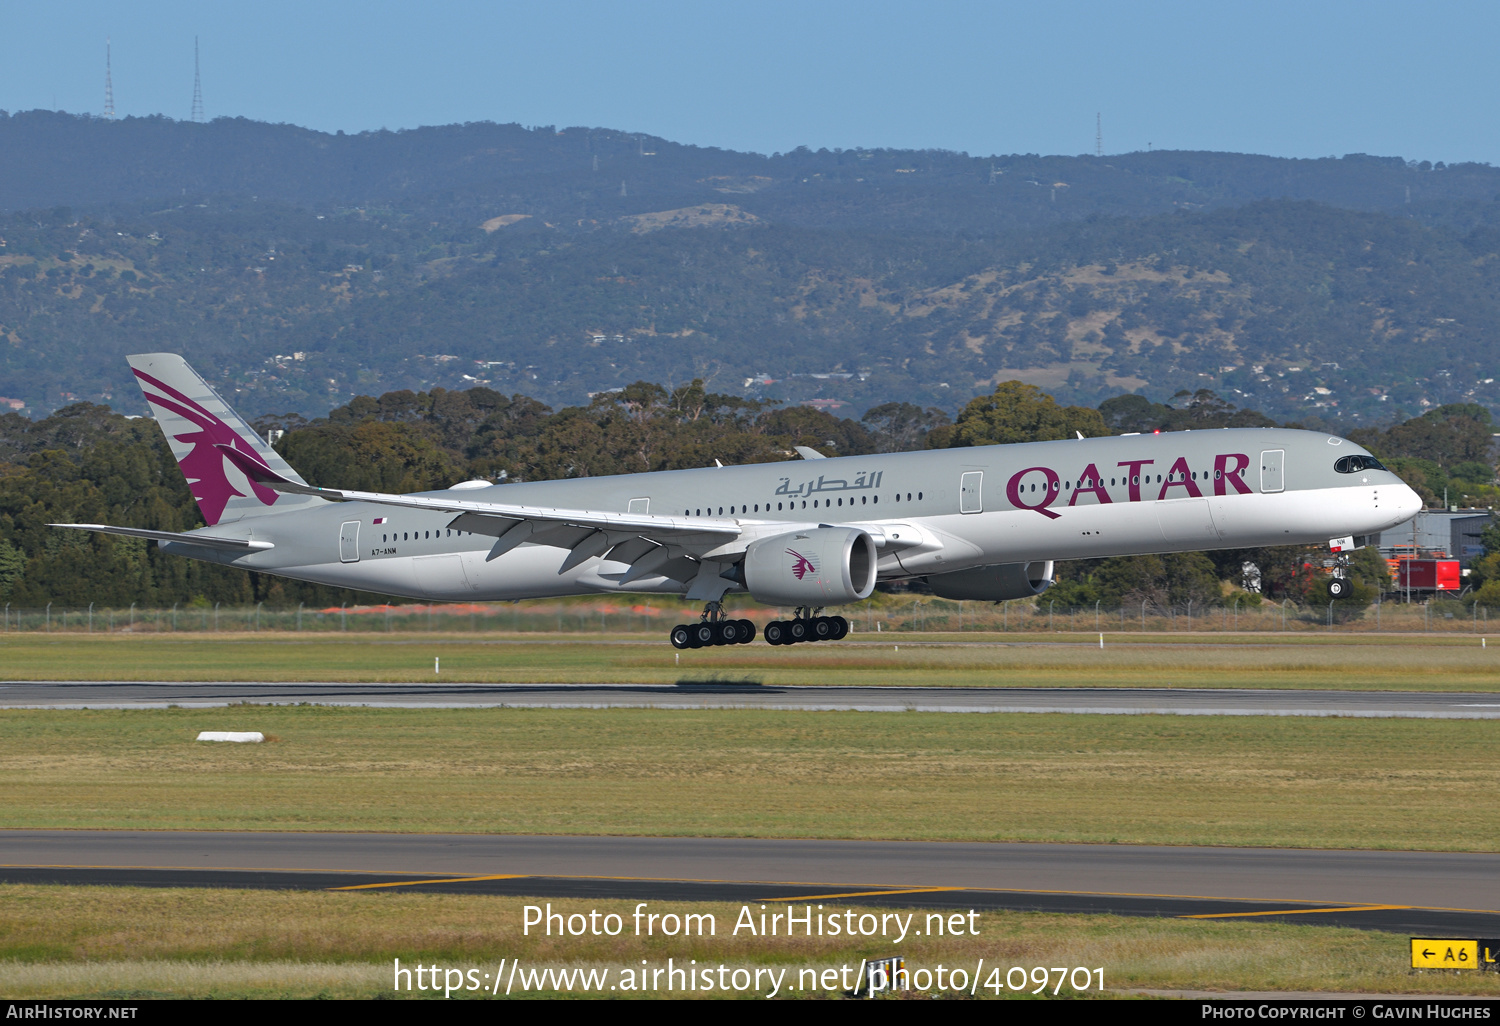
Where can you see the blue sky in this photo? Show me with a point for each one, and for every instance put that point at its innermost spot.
(1290, 79)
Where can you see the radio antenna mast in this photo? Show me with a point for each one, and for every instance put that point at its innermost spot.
(197, 115)
(109, 88)
(1098, 134)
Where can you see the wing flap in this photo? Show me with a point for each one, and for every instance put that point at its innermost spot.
(629, 551)
(594, 545)
(521, 532)
(477, 523)
(646, 565)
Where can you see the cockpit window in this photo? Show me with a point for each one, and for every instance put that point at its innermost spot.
(1354, 464)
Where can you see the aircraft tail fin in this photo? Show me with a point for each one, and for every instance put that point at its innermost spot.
(200, 426)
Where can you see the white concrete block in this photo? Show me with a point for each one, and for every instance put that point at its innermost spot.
(254, 736)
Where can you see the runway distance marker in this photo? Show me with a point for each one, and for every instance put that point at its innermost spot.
(1444, 953)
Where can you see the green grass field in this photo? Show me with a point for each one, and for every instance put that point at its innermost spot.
(145, 943)
(1393, 662)
(1282, 781)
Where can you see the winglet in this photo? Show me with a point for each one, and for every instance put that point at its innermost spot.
(807, 452)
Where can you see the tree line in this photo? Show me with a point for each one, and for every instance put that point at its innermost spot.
(88, 464)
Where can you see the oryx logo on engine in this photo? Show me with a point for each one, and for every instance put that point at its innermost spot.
(803, 566)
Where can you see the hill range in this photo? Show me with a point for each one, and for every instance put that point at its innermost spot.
(298, 269)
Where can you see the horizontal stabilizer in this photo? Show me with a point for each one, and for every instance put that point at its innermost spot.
(207, 541)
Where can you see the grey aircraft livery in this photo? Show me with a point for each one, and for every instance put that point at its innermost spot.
(979, 523)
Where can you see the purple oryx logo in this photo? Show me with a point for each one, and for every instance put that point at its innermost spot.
(803, 566)
(203, 466)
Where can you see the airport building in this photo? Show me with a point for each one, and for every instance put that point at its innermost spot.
(1437, 535)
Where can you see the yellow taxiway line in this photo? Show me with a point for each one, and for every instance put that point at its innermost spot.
(439, 880)
(1292, 911)
(866, 894)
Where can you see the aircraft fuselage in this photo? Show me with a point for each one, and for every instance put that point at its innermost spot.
(930, 512)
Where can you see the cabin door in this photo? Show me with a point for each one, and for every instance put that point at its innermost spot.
(1271, 464)
(970, 492)
(349, 541)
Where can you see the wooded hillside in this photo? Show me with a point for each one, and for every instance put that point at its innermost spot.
(298, 270)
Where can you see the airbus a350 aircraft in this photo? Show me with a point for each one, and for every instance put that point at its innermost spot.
(977, 523)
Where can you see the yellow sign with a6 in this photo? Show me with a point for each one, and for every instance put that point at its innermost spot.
(1444, 953)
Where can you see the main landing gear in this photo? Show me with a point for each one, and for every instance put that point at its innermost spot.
(806, 625)
(713, 629)
(716, 629)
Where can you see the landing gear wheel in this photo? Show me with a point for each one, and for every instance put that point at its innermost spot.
(823, 629)
(796, 631)
(776, 633)
(714, 629)
(841, 628)
(1338, 588)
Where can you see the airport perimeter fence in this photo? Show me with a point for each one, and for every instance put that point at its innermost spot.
(900, 614)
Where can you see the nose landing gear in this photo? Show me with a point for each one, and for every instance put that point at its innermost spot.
(713, 629)
(1338, 587)
(807, 624)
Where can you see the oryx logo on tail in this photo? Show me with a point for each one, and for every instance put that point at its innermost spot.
(203, 465)
(803, 566)
(204, 433)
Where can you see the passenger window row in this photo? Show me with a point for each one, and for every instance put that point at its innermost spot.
(785, 505)
(419, 535)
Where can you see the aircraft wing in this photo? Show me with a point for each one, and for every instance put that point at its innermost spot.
(647, 543)
(205, 540)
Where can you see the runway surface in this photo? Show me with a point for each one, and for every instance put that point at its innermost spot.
(690, 694)
(1435, 893)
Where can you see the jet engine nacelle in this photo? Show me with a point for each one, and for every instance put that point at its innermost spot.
(823, 566)
(994, 583)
